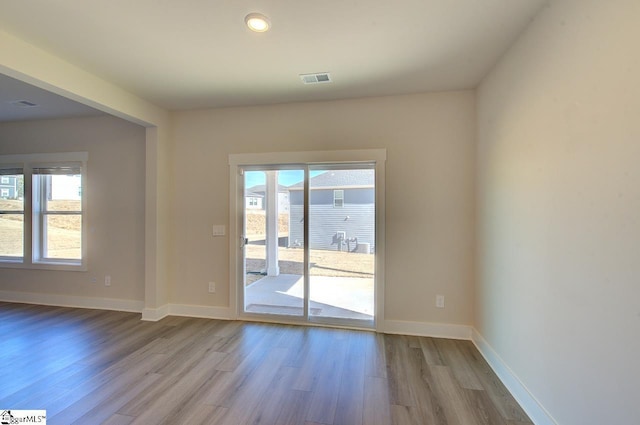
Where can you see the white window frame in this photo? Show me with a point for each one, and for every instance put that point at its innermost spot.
(338, 198)
(34, 201)
(18, 170)
(236, 202)
(4, 180)
(4, 192)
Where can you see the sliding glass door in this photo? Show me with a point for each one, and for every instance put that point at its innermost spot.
(273, 259)
(308, 243)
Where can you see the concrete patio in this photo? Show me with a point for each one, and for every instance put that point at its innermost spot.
(335, 297)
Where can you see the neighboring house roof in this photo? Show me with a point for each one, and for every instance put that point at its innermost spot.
(261, 188)
(339, 178)
(253, 195)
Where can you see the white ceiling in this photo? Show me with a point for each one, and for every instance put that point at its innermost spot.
(186, 54)
(47, 105)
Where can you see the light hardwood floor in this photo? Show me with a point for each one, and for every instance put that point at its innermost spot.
(92, 367)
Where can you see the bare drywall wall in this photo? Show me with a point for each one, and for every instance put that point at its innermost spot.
(429, 189)
(115, 210)
(559, 207)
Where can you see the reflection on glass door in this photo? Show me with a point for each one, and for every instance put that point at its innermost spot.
(325, 212)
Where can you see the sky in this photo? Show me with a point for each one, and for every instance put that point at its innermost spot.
(66, 187)
(285, 177)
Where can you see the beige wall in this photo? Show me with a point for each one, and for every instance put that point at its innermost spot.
(115, 210)
(35, 66)
(558, 199)
(558, 296)
(429, 212)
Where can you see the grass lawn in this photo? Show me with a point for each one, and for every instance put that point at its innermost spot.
(63, 231)
(290, 260)
(322, 263)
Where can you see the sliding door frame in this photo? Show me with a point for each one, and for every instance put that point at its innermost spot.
(303, 159)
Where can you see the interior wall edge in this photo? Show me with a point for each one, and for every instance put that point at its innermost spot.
(529, 403)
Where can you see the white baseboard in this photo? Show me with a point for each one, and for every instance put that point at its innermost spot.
(148, 314)
(72, 301)
(435, 330)
(537, 413)
(155, 314)
(205, 312)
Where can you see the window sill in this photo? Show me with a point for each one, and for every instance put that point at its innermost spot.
(61, 266)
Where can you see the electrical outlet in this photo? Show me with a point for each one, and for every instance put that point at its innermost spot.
(219, 230)
(107, 280)
(212, 287)
(440, 301)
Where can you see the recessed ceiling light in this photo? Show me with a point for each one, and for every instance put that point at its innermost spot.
(257, 22)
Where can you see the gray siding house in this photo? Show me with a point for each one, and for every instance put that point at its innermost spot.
(8, 187)
(341, 211)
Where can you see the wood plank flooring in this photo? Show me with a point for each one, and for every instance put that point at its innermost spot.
(93, 367)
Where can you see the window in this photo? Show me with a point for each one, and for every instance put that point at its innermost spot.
(253, 202)
(338, 198)
(50, 212)
(57, 213)
(11, 217)
(4, 180)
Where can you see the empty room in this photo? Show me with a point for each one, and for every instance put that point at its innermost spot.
(336, 213)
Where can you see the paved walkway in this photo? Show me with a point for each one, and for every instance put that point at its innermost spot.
(339, 297)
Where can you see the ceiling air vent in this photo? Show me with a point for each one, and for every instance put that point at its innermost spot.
(24, 104)
(322, 77)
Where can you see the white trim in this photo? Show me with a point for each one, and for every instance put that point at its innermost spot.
(236, 235)
(308, 157)
(335, 192)
(72, 301)
(381, 235)
(433, 330)
(186, 310)
(205, 312)
(536, 412)
(314, 324)
(304, 158)
(155, 314)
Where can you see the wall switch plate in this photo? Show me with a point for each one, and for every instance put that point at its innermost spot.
(212, 287)
(107, 280)
(219, 230)
(440, 301)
